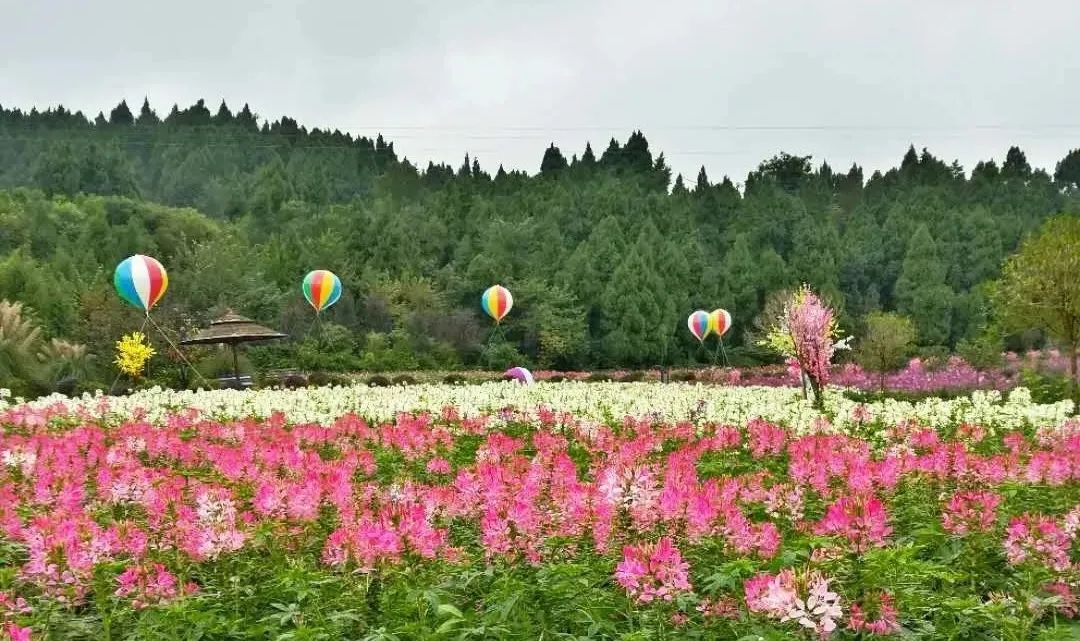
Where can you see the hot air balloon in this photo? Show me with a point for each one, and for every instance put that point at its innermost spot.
(141, 281)
(497, 302)
(322, 289)
(520, 374)
(699, 325)
(719, 322)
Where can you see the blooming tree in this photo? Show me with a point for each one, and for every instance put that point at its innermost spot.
(807, 333)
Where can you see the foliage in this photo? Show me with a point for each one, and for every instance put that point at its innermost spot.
(1040, 287)
(604, 260)
(20, 341)
(888, 341)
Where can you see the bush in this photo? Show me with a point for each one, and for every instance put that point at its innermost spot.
(318, 379)
(1045, 387)
(876, 396)
(555, 379)
(378, 381)
(293, 381)
(454, 379)
(982, 353)
(599, 377)
(684, 377)
(633, 377)
(404, 380)
(339, 380)
(934, 358)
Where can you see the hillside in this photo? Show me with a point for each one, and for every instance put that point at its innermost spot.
(604, 252)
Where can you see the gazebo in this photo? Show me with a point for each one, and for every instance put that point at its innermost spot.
(233, 329)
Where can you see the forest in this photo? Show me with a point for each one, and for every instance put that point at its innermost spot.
(604, 250)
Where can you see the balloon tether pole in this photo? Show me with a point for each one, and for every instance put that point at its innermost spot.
(176, 349)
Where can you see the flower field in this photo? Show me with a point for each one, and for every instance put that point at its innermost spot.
(554, 511)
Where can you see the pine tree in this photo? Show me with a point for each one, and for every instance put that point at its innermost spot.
(588, 158)
(247, 120)
(224, 116)
(702, 186)
(1068, 169)
(554, 163)
(121, 115)
(922, 293)
(147, 116)
(1016, 166)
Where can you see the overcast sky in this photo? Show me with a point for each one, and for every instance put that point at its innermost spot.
(724, 84)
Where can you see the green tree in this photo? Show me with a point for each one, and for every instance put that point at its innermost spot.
(1067, 170)
(1040, 287)
(888, 341)
(554, 163)
(922, 293)
(121, 115)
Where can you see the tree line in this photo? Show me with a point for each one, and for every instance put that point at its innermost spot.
(605, 253)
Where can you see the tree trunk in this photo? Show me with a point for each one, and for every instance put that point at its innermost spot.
(1074, 384)
(815, 387)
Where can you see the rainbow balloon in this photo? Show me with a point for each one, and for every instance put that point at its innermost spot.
(322, 289)
(141, 281)
(497, 302)
(699, 325)
(719, 321)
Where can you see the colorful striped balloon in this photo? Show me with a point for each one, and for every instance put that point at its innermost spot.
(141, 281)
(497, 302)
(322, 289)
(719, 321)
(698, 322)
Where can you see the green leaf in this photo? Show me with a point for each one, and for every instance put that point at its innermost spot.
(445, 609)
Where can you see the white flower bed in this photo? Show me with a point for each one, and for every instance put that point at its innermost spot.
(595, 401)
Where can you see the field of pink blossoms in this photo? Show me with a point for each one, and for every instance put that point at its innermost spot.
(555, 527)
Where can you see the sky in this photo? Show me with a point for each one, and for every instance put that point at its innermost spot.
(724, 84)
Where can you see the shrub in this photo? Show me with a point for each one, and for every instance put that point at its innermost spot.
(982, 353)
(555, 379)
(599, 377)
(318, 379)
(454, 379)
(404, 380)
(633, 377)
(378, 381)
(1045, 387)
(684, 377)
(294, 381)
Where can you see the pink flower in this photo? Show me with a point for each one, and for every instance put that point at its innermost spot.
(16, 633)
(439, 466)
(765, 438)
(653, 571)
(1037, 539)
(771, 595)
(719, 608)
(970, 511)
(1066, 604)
(887, 622)
(862, 520)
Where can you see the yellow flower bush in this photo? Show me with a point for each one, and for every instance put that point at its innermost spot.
(132, 353)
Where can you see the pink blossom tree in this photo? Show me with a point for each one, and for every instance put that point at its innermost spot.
(806, 331)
